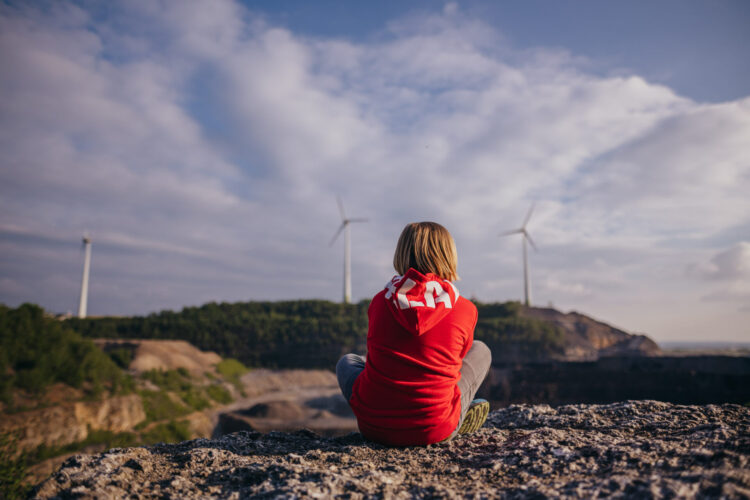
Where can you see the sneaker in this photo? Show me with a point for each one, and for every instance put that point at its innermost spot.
(475, 417)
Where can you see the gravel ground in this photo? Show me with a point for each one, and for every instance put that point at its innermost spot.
(634, 449)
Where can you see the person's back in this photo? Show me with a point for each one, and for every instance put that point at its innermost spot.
(408, 392)
(416, 385)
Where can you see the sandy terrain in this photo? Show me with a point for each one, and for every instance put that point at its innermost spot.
(164, 355)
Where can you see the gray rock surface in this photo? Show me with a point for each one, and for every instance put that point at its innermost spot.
(640, 449)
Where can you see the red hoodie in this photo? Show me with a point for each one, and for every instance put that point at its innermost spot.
(419, 332)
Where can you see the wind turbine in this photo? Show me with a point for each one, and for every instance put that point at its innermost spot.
(526, 237)
(85, 280)
(347, 249)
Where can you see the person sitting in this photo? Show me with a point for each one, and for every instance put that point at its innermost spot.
(416, 386)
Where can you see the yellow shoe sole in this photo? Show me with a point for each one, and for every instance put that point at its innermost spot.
(476, 415)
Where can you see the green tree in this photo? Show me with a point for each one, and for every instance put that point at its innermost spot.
(37, 350)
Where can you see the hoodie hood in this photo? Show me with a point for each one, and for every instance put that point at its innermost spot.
(420, 301)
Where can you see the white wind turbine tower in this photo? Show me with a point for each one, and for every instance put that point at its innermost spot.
(85, 280)
(347, 249)
(526, 237)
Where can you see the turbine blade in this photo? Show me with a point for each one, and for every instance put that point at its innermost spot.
(508, 233)
(358, 219)
(528, 215)
(341, 228)
(341, 208)
(528, 237)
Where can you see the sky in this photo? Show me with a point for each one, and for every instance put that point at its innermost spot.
(202, 145)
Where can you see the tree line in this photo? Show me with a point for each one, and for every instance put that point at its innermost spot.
(310, 333)
(37, 350)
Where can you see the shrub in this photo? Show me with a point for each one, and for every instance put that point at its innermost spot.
(12, 469)
(121, 356)
(231, 369)
(219, 394)
(170, 432)
(169, 380)
(195, 399)
(159, 406)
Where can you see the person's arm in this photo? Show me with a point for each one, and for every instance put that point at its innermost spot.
(470, 335)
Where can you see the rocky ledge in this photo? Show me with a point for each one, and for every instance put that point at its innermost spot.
(643, 449)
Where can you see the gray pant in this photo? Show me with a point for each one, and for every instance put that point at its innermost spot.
(474, 369)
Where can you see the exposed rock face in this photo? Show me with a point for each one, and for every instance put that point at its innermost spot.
(71, 422)
(635, 449)
(588, 339)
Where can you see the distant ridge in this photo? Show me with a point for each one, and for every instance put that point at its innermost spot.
(589, 339)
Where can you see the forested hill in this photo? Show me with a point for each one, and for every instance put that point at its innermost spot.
(299, 334)
(310, 333)
(37, 351)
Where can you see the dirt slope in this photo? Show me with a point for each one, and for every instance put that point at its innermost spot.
(163, 355)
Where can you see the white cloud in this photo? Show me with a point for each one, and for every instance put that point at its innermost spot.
(203, 129)
(732, 264)
(555, 286)
(728, 273)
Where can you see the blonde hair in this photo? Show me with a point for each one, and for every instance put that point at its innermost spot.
(427, 247)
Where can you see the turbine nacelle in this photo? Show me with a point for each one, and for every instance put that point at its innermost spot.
(525, 234)
(344, 220)
(522, 230)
